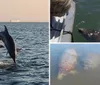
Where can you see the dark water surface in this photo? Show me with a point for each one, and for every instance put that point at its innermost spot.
(89, 12)
(87, 68)
(32, 60)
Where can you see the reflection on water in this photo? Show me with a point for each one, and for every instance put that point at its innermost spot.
(81, 70)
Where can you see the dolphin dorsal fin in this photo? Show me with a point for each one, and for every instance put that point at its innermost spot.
(6, 30)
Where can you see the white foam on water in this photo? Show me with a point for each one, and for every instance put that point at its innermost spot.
(5, 64)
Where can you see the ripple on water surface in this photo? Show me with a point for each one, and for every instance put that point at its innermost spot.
(32, 61)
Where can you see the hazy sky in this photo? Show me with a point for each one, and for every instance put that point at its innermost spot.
(24, 10)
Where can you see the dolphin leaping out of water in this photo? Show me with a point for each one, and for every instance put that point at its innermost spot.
(90, 35)
(8, 42)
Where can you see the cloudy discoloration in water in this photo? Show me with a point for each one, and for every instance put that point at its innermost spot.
(67, 63)
(87, 67)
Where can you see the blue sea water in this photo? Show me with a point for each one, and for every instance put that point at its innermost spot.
(32, 67)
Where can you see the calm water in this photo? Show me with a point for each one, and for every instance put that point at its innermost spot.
(32, 60)
(87, 68)
(88, 11)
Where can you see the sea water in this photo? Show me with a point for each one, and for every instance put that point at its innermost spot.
(87, 67)
(87, 11)
(32, 60)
